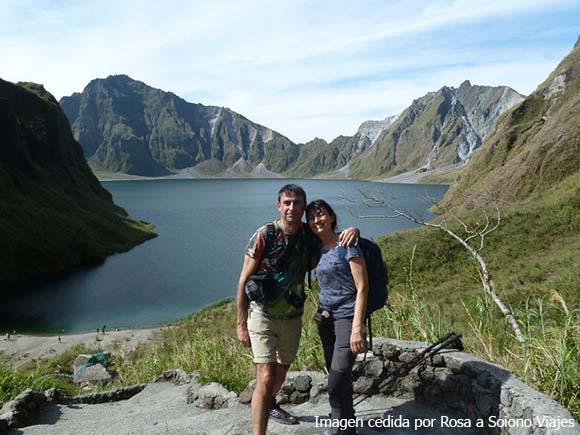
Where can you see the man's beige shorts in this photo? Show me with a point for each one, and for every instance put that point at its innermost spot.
(274, 340)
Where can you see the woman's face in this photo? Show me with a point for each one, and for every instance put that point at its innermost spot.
(320, 221)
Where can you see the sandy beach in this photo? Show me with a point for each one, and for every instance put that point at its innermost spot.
(21, 348)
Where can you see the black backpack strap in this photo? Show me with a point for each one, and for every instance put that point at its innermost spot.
(270, 238)
(271, 231)
(270, 235)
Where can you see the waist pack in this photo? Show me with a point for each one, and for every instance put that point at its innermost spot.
(261, 288)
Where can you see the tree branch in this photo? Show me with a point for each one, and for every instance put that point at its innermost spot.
(472, 232)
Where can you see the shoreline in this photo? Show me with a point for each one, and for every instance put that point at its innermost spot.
(22, 349)
(411, 177)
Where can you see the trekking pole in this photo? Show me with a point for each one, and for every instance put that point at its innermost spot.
(450, 339)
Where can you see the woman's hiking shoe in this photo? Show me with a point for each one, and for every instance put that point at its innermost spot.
(279, 415)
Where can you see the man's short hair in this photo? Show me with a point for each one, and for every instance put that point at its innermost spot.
(292, 188)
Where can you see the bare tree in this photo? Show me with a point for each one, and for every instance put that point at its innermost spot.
(473, 241)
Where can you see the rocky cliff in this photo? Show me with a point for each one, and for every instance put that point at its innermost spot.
(319, 158)
(55, 214)
(436, 130)
(126, 126)
(535, 147)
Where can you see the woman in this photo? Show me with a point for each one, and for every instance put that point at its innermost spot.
(342, 302)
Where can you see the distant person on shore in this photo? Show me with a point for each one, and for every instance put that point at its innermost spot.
(270, 298)
(104, 329)
(342, 303)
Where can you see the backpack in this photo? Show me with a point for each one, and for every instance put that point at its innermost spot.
(377, 275)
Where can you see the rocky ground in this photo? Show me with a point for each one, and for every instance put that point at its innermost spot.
(163, 408)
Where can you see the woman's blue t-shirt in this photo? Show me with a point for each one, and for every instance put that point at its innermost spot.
(337, 288)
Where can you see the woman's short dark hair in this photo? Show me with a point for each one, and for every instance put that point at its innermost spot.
(321, 205)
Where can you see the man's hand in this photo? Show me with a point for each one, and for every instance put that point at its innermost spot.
(242, 302)
(243, 335)
(349, 237)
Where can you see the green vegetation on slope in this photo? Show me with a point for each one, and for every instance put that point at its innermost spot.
(45, 231)
(55, 214)
(535, 146)
(532, 253)
(318, 157)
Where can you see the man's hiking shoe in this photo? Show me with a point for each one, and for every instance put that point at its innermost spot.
(279, 415)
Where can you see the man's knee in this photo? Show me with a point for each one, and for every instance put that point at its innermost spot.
(266, 375)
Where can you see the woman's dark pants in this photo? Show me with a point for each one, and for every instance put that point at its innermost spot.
(335, 337)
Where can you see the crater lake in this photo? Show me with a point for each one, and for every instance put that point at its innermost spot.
(203, 227)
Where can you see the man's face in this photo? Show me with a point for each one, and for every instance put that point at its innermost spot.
(291, 208)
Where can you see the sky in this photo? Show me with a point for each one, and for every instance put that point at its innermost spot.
(303, 68)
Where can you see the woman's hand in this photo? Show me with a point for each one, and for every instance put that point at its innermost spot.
(357, 342)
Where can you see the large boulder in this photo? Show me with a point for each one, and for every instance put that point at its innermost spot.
(212, 396)
(87, 370)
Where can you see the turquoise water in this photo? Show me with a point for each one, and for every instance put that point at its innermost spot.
(203, 228)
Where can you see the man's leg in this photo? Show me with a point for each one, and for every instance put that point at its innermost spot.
(281, 370)
(266, 377)
(288, 334)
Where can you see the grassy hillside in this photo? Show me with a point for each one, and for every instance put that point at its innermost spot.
(55, 214)
(535, 146)
(318, 157)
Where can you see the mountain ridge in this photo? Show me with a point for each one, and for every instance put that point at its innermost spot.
(129, 127)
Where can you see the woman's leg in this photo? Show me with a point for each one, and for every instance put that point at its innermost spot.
(340, 373)
(326, 332)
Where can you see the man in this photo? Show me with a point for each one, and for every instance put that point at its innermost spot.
(272, 325)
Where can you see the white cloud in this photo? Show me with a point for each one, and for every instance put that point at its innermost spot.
(305, 68)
